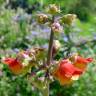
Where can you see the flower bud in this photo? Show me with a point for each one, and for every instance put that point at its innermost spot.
(56, 27)
(68, 19)
(56, 44)
(56, 47)
(42, 18)
(23, 58)
(53, 9)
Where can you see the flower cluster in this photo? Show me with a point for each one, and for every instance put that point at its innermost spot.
(40, 64)
(66, 71)
(58, 23)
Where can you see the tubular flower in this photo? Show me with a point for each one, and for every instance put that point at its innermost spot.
(81, 62)
(19, 65)
(25, 60)
(14, 65)
(66, 73)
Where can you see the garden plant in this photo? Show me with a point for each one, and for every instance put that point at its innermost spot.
(42, 66)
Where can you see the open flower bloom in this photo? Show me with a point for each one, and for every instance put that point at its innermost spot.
(24, 60)
(66, 72)
(19, 65)
(81, 62)
(14, 65)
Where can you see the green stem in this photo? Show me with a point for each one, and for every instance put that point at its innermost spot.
(45, 92)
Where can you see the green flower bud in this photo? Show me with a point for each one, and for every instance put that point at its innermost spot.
(53, 9)
(68, 19)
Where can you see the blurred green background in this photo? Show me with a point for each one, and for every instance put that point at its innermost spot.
(18, 30)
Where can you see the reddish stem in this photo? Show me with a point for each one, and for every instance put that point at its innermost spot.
(49, 58)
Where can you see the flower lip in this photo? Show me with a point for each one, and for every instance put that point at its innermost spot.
(89, 60)
(83, 60)
(68, 69)
(14, 65)
(8, 60)
(11, 61)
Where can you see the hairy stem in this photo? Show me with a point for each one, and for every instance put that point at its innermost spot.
(50, 46)
(49, 58)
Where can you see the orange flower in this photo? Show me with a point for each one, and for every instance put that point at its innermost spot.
(81, 62)
(14, 65)
(66, 73)
(62, 79)
(22, 63)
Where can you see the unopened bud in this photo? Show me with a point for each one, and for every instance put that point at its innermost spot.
(42, 18)
(68, 19)
(56, 27)
(53, 9)
(56, 47)
(24, 58)
(56, 44)
(73, 57)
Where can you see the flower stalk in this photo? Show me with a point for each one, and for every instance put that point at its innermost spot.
(50, 45)
(50, 48)
(49, 58)
(45, 92)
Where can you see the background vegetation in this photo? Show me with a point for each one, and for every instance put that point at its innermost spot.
(18, 30)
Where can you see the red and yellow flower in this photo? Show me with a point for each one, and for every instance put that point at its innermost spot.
(68, 71)
(14, 65)
(19, 65)
(81, 62)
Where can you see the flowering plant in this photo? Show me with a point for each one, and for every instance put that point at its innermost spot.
(40, 65)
